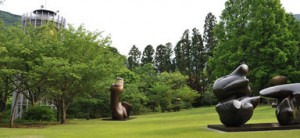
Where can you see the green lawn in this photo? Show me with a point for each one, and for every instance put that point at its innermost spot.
(184, 124)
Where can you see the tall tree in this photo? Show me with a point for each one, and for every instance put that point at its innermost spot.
(198, 61)
(255, 32)
(134, 58)
(13, 65)
(169, 61)
(182, 53)
(294, 26)
(148, 55)
(209, 38)
(162, 58)
(87, 63)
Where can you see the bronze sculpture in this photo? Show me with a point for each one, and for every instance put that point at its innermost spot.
(278, 80)
(120, 111)
(288, 102)
(235, 105)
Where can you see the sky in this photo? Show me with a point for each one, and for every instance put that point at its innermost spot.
(134, 22)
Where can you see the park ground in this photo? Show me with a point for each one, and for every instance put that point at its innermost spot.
(184, 124)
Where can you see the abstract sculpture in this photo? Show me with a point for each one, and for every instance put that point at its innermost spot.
(288, 102)
(235, 107)
(119, 111)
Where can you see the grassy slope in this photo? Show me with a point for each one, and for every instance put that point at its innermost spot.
(190, 123)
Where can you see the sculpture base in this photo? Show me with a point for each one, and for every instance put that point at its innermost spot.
(254, 127)
(110, 119)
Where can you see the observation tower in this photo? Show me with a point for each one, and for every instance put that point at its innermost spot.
(42, 16)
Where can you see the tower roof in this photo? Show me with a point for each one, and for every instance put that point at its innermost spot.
(44, 11)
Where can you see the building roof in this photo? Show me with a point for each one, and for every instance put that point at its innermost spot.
(44, 11)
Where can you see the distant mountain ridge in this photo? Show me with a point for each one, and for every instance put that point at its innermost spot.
(297, 16)
(9, 18)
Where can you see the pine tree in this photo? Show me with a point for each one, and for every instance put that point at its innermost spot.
(162, 58)
(208, 36)
(148, 55)
(134, 58)
(198, 60)
(182, 53)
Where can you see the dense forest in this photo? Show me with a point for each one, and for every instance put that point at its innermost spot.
(74, 67)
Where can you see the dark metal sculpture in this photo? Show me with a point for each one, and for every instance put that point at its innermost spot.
(235, 105)
(120, 111)
(288, 102)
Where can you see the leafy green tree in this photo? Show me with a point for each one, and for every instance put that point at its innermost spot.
(5, 81)
(88, 61)
(258, 33)
(39, 43)
(180, 90)
(148, 55)
(171, 92)
(294, 26)
(14, 65)
(161, 97)
(86, 105)
(134, 58)
(147, 77)
(135, 97)
(133, 88)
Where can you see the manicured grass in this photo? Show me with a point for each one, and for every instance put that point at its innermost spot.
(184, 124)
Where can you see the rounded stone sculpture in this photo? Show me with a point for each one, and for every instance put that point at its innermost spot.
(278, 80)
(120, 111)
(288, 102)
(235, 105)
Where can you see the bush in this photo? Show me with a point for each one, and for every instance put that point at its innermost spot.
(40, 113)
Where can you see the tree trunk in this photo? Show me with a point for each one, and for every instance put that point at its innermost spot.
(2, 105)
(58, 112)
(63, 111)
(11, 124)
(88, 113)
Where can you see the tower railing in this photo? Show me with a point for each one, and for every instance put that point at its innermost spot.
(38, 18)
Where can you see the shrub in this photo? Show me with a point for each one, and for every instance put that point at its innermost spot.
(40, 113)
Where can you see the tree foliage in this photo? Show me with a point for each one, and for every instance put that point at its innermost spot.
(190, 59)
(258, 33)
(134, 57)
(163, 57)
(148, 55)
(59, 65)
(208, 36)
(182, 53)
(171, 93)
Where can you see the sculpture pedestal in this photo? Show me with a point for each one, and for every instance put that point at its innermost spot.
(110, 119)
(254, 127)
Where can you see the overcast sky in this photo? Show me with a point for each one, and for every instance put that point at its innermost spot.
(134, 22)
